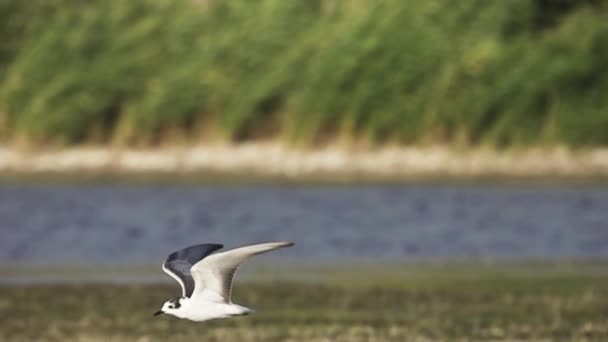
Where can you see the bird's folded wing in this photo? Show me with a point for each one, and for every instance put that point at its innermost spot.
(213, 275)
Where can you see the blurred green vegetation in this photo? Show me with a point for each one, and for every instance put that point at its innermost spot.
(472, 72)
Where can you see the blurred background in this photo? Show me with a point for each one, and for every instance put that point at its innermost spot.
(440, 165)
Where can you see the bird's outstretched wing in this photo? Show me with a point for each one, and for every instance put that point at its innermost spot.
(179, 263)
(213, 275)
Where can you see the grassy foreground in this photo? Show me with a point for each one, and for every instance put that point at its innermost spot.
(444, 304)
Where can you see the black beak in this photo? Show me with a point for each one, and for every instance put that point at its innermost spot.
(159, 312)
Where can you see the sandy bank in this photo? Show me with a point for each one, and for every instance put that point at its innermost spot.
(275, 159)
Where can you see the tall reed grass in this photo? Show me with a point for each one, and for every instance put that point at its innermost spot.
(498, 73)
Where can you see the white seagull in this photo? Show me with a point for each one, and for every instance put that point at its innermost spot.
(206, 280)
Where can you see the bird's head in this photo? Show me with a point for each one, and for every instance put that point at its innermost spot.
(171, 307)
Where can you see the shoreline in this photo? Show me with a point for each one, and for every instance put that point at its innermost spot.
(275, 160)
(14, 274)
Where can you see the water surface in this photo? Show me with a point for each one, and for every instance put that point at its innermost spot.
(86, 224)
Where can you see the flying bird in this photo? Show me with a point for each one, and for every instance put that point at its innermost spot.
(206, 280)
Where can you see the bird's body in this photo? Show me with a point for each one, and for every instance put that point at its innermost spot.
(206, 280)
(202, 310)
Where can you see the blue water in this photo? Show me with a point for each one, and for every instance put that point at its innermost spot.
(133, 224)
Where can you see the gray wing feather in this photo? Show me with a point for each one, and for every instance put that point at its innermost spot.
(228, 281)
(179, 263)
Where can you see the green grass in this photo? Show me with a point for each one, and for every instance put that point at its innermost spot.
(499, 73)
(396, 304)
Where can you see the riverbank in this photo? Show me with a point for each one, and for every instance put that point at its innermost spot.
(276, 160)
